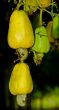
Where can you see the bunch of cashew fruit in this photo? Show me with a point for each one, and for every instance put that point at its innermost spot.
(24, 40)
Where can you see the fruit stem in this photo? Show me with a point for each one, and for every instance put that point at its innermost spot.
(54, 14)
(50, 12)
(52, 9)
(18, 5)
(40, 19)
(22, 53)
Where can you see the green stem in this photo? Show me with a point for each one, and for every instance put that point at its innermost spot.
(40, 19)
(18, 5)
(52, 14)
(52, 10)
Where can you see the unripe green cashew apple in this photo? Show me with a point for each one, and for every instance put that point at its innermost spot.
(20, 80)
(55, 27)
(20, 32)
(41, 43)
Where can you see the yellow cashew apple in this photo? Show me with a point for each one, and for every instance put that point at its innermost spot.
(44, 3)
(20, 80)
(20, 32)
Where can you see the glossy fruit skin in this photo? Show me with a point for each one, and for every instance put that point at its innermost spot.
(20, 80)
(41, 40)
(55, 27)
(20, 32)
(44, 3)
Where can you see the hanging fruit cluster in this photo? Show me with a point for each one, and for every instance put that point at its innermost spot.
(20, 37)
(24, 39)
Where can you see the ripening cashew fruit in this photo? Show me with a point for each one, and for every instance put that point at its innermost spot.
(49, 32)
(41, 43)
(20, 80)
(20, 32)
(55, 27)
(44, 3)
